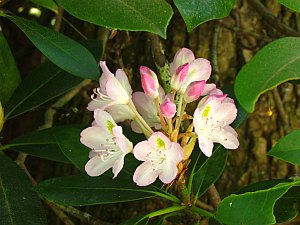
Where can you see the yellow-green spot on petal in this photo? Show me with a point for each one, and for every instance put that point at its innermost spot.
(206, 111)
(160, 143)
(109, 126)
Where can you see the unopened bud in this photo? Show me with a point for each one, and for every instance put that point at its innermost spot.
(180, 76)
(194, 90)
(168, 108)
(150, 83)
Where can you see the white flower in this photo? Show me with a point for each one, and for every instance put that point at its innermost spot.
(109, 145)
(211, 121)
(160, 157)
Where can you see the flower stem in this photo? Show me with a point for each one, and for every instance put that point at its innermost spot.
(161, 117)
(142, 123)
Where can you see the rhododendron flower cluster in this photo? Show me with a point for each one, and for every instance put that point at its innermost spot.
(168, 142)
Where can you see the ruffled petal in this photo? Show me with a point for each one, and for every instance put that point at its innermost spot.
(159, 141)
(144, 174)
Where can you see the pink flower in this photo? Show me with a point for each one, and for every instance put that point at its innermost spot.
(113, 91)
(109, 145)
(198, 69)
(160, 157)
(168, 108)
(149, 82)
(211, 121)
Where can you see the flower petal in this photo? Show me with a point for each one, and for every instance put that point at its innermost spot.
(104, 120)
(141, 150)
(181, 57)
(93, 137)
(159, 141)
(123, 79)
(144, 174)
(175, 153)
(116, 91)
(124, 144)
(105, 74)
(96, 166)
(118, 165)
(226, 137)
(206, 145)
(226, 112)
(168, 172)
(120, 113)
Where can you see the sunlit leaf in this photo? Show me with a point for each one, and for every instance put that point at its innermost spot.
(133, 15)
(292, 4)
(196, 12)
(287, 148)
(274, 64)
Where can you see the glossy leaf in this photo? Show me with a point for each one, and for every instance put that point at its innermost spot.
(132, 15)
(41, 144)
(196, 12)
(285, 208)
(68, 140)
(259, 205)
(46, 82)
(61, 50)
(82, 189)
(287, 148)
(274, 64)
(292, 4)
(49, 4)
(19, 204)
(9, 73)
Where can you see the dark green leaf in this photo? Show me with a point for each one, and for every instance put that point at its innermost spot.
(19, 204)
(84, 190)
(68, 140)
(276, 63)
(252, 207)
(41, 144)
(209, 171)
(61, 50)
(49, 4)
(196, 12)
(287, 148)
(133, 15)
(46, 82)
(292, 4)
(9, 73)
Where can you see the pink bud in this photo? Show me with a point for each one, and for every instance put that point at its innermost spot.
(180, 76)
(168, 108)
(194, 90)
(150, 83)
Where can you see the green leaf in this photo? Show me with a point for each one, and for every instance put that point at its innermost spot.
(132, 15)
(209, 171)
(82, 189)
(276, 63)
(287, 149)
(196, 12)
(41, 144)
(9, 73)
(46, 82)
(291, 4)
(252, 207)
(68, 140)
(19, 204)
(61, 50)
(48, 4)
